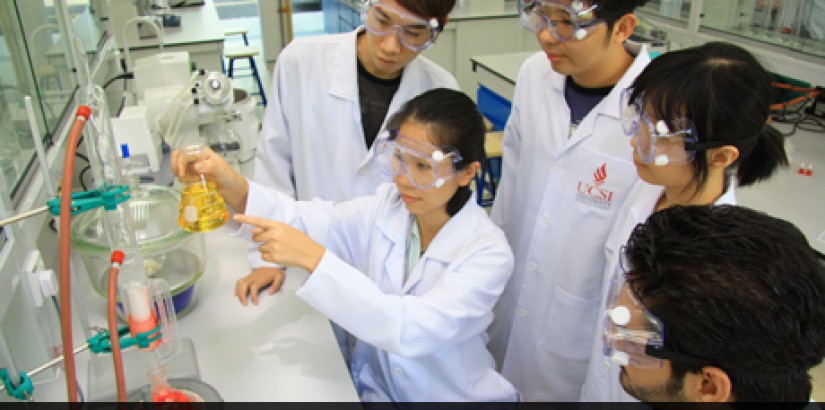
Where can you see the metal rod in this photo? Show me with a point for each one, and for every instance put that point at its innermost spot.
(51, 363)
(24, 215)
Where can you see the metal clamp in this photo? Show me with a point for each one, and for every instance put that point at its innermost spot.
(108, 198)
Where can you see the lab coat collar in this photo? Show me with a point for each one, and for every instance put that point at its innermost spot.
(729, 197)
(393, 226)
(451, 236)
(609, 105)
(645, 203)
(343, 68)
(443, 248)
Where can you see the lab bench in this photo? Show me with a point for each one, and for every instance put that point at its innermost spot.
(200, 34)
(279, 350)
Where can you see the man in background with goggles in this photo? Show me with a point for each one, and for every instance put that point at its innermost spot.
(330, 97)
(717, 304)
(566, 170)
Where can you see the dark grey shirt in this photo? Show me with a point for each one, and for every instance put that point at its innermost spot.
(375, 96)
(581, 100)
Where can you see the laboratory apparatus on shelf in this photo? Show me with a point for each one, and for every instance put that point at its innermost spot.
(172, 103)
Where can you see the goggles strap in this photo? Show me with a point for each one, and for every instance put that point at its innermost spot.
(661, 353)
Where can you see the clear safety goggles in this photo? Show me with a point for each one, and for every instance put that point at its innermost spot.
(660, 142)
(415, 33)
(425, 165)
(631, 334)
(630, 331)
(573, 22)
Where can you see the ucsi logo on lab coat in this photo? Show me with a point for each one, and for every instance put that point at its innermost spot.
(593, 193)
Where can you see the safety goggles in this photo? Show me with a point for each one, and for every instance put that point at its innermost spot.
(426, 166)
(660, 142)
(631, 334)
(566, 23)
(415, 33)
(629, 329)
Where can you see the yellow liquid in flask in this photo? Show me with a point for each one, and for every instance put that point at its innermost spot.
(201, 207)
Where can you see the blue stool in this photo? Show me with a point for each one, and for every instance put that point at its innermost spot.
(487, 179)
(235, 31)
(249, 53)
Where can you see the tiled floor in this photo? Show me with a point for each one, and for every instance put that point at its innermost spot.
(787, 195)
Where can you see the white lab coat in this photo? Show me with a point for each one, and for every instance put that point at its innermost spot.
(312, 142)
(602, 380)
(423, 340)
(556, 202)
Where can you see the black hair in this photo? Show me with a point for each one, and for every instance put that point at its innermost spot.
(612, 10)
(727, 94)
(453, 121)
(439, 9)
(735, 287)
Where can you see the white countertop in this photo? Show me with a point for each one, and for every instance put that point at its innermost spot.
(483, 9)
(505, 65)
(198, 24)
(498, 72)
(278, 350)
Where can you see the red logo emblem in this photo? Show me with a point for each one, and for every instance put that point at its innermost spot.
(601, 174)
(594, 193)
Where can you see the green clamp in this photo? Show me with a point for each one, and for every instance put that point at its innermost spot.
(108, 198)
(145, 339)
(20, 392)
(101, 343)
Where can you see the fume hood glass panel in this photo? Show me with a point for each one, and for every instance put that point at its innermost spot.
(35, 61)
(671, 9)
(795, 24)
(16, 81)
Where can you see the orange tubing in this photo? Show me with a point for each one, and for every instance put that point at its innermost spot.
(811, 94)
(114, 337)
(83, 113)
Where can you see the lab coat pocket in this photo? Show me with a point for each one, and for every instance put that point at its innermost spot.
(568, 328)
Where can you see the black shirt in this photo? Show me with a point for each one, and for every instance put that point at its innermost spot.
(581, 100)
(374, 95)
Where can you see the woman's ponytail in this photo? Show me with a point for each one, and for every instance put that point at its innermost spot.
(766, 156)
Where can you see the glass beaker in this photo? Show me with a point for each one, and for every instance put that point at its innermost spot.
(201, 206)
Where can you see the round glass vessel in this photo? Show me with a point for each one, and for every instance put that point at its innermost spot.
(168, 251)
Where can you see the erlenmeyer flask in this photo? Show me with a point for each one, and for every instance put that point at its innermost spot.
(201, 206)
